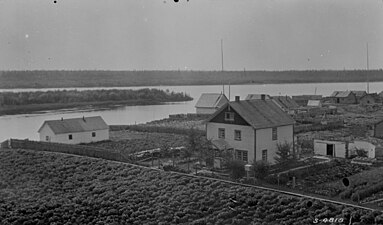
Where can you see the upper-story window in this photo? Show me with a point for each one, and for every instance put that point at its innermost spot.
(221, 133)
(237, 135)
(229, 116)
(93, 134)
(274, 133)
(70, 137)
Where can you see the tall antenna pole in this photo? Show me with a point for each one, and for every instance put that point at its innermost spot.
(222, 54)
(368, 77)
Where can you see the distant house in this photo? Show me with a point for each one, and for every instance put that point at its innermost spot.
(257, 96)
(372, 98)
(286, 103)
(343, 97)
(208, 103)
(75, 130)
(302, 100)
(314, 103)
(378, 129)
(251, 128)
(359, 95)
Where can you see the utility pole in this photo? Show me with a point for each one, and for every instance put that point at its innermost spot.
(222, 55)
(368, 77)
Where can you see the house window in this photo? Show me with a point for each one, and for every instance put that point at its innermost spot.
(241, 155)
(47, 138)
(237, 135)
(264, 155)
(274, 134)
(93, 134)
(70, 137)
(221, 133)
(229, 116)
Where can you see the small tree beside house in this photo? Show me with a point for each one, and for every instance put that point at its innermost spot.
(284, 156)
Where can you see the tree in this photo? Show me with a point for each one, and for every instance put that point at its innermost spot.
(283, 153)
(260, 169)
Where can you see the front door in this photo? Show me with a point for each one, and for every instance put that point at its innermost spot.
(330, 149)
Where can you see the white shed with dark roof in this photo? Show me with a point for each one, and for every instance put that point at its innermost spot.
(208, 103)
(74, 130)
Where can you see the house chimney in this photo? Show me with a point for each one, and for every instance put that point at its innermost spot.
(263, 97)
(237, 98)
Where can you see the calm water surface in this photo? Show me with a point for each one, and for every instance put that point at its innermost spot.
(26, 125)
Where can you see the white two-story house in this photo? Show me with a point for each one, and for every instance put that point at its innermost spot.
(252, 128)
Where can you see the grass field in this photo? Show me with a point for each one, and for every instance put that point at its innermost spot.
(48, 188)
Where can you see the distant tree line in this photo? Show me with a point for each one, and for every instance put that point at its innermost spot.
(70, 96)
(104, 78)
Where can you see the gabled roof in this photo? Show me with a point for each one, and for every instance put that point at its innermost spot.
(208, 100)
(307, 97)
(285, 102)
(256, 96)
(258, 113)
(76, 125)
(359, 93)
(341, 94)
(221, 144)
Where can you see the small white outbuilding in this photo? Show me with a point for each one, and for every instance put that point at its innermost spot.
(338, 148)
(74, 130)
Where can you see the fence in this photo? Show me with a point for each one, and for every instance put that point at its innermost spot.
(67, 148)
(155, 129)
(318, 127)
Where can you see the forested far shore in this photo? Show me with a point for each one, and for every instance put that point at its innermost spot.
(97, 78)
(73, 96)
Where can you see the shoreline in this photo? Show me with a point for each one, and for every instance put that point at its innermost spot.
(33, 108)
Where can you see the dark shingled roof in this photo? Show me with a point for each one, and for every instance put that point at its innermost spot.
(259, 113)
(76, 125)
(359, 93)
(285, 102)
(341, 94)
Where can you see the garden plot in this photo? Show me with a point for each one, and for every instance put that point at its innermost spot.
(51, 188)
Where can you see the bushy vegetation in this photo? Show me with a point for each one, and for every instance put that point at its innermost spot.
(39, 97)
(47, 188)
(316, 179)
(366, 186)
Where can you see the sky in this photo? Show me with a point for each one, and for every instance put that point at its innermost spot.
(164, 35)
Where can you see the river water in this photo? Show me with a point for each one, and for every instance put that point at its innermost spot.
(26, 125)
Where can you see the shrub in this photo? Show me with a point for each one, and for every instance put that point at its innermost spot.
(261, 169)
(237, 169)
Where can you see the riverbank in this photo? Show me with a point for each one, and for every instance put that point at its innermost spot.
(75, 106)
(66, 79)
(26, 102)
